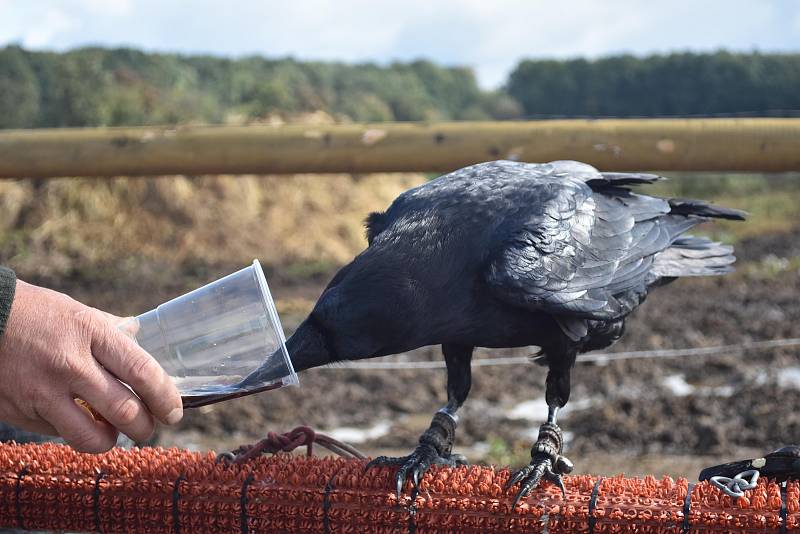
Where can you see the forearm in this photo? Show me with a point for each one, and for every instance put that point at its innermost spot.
(8, 282)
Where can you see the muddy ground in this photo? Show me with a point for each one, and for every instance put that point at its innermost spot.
(665, 415)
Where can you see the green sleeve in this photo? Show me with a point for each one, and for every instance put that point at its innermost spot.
(8, 283)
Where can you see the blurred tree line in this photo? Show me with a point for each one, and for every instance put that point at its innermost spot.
(660, 85)
(98, 87)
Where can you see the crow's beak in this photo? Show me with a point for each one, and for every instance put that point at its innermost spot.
(273, 369)
(307, 349)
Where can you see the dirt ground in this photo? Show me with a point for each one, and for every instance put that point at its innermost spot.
(663, 415)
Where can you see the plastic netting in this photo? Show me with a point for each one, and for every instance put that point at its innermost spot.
(153, 490)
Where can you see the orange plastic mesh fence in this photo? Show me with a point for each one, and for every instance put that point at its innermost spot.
(51, 487)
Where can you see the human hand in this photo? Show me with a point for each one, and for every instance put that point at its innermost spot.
(55, 350)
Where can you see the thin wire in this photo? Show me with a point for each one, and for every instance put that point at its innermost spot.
(600, 357)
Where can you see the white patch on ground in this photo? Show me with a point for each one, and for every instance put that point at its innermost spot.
(479, 449)
(677, 385)
(536, 409)
(350, 434)
(723, 391)
(789, 377)
(761, 378)
(531, 410)
(568, 437)
(580, 404)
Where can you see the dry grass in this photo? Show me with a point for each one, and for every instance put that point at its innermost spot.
(126, 244)
(57, 226)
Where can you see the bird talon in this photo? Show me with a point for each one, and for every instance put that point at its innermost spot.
(415, 476)
(415, 464)
(458, 460)
(557, 479)
(541, 467)
(517, 476)
(563, 465)
(380, 461)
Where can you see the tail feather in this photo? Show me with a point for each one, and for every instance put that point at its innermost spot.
(694, 256)
(624, 178)
(699, 208)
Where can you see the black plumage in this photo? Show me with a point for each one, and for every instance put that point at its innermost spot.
(506, 254)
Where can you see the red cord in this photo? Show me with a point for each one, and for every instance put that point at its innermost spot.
(298, 437)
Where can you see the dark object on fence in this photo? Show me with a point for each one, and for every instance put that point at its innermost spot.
(153, 491)
(781, 465)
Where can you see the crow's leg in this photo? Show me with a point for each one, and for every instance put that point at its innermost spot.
(546, 460)
(436, 443)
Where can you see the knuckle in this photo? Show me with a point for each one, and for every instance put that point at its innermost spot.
(75, 369)
(124, 412)
(86, 322)
(141, 370)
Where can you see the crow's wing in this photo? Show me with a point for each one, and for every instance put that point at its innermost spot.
(585, 251)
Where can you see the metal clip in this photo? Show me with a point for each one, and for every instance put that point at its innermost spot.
(736, 486)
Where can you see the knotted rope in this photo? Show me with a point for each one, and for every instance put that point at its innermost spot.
(289, 441)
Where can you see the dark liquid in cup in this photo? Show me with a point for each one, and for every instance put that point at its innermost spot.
(204, 399)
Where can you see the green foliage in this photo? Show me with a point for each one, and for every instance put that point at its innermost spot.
(674, 84)
(99, 87)
(19, 89)
(502, 452)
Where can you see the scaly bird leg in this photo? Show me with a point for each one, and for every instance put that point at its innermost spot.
(547, 462)
(436, 443)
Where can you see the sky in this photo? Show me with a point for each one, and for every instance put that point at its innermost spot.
(491, 36)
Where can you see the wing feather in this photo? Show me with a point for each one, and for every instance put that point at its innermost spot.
(588, 251)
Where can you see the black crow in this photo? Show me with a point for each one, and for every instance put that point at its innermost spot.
(506, 254)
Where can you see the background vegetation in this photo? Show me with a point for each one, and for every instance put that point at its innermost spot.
(99, 87)
(111, 87)
(675, 84)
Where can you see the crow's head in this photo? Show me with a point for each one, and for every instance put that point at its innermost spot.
(369, 309)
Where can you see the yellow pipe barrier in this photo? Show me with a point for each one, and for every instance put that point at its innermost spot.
(765, 145)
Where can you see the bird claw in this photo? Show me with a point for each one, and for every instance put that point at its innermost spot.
(529, 477)
(416, 464)
(546, 463)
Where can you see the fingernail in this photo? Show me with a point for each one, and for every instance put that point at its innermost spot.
(175, 416)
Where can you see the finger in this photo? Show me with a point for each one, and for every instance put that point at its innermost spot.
(78, 428)
(37, 426)
(128, 325)
(116, 403)
(133, 365)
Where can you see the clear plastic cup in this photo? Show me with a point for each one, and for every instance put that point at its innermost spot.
(213, 338)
